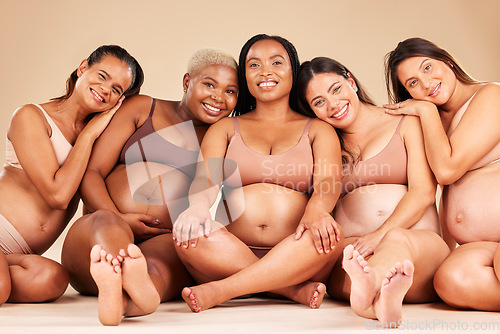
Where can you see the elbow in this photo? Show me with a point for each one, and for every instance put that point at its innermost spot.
(58, 202)
(445, 177)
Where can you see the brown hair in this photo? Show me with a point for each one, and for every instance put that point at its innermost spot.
(417, 47)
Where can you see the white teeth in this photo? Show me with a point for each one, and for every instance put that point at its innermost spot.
(435, 89)
(209, 107)
(97, 95)
(341, 112)
(268, 84)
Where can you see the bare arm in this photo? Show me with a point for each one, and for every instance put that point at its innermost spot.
(30, 137)
(326, 180)
(107, 151)
(476, 134)
(196, 220)
(421, 189)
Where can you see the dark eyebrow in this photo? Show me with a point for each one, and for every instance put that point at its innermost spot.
(419, 67)
(329, 90)
(109, 77)
(210, 78)
(253, 58)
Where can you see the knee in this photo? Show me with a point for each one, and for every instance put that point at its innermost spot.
(452, 282)
(54, 280)
(5, 288)
(396, 234)
(105, 220)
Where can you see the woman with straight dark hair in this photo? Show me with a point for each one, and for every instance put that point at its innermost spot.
(280, 237)
(460, 120)
(386, 210)
(48, 148)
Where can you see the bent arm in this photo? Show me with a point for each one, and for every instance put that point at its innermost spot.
(421, 182)
(476, 134)
(30, 138)
(107, 150)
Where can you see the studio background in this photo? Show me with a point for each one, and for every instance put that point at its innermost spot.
(42, 42)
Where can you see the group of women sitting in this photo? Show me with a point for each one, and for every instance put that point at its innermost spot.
(321, 190)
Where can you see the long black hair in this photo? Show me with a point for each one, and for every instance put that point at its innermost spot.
(246, 102)
(417, 47)
(96, 56)
(319, 65)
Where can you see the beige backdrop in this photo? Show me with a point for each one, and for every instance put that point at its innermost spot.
(43, 41)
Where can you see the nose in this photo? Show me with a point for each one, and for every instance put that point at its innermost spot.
(216, 95)
(105, 88)
(332, 103)
(265, 71)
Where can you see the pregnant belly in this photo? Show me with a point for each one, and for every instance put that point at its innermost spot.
(471, 205)
(158, 190)
(269, 213)
(366, 208)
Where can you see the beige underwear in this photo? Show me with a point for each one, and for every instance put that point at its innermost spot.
(11, 242)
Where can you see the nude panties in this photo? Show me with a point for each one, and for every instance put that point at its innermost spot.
(11, 242)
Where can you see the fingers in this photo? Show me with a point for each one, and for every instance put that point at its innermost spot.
(299, 231)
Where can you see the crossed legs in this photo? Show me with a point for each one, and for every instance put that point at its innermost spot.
(30, 278)
(229, 269)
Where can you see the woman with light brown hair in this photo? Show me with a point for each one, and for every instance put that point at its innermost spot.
(460, 121)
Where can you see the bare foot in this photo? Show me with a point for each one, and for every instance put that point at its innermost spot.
(389, 306)
(202, 297)
(363, 289)
(308, 293)
(136, 280)
(106, 272)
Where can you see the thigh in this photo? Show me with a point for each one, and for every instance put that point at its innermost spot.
(165, 264)
(466, 279)
(217, 256)
(35, 278)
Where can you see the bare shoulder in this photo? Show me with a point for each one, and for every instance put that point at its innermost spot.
(27, 115)
(135, 107)
(488, 91)
(320, 127)
(225, 124)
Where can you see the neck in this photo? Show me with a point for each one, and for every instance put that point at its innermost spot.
(184, 113)
(273, 110)
(462, 93)
(367, 116)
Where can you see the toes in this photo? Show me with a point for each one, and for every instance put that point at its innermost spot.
(348, 252)
(134, 251)
(408, 268)
(95, 253)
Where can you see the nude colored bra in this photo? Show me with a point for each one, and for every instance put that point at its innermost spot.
(386, 167)
(60, 144)
(146, 145)
(492, 156)
(292, 168)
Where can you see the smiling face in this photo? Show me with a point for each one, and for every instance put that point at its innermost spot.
(101, 85)
(333, 98)
(212, 92)
(268, 71)
(427, 79)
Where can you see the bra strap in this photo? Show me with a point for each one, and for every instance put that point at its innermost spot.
(400, 122)
(306, 128)
(236, 125)
(152, 108)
